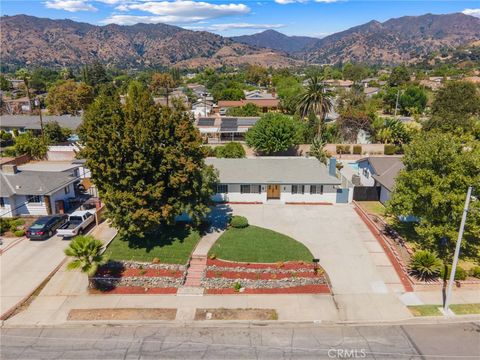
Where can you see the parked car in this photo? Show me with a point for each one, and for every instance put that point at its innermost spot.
(223, 111)
(76, 224)
(45, 227)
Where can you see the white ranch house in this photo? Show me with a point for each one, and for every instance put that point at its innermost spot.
(279, 179)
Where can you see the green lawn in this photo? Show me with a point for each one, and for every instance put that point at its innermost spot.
(171, 246)
(433, 310)
(256, 244)
(373, 207)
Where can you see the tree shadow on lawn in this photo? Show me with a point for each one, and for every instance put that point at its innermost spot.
(163, 236)
(108, 276)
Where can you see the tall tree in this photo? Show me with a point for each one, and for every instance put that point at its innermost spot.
(68, 97)
(454, 108)
(399, 76)
(316, 99)
(146, 161)
(413, 101)
(28, 144)
(162, 83)
(432, 187)
(273, 133)
(54, 133)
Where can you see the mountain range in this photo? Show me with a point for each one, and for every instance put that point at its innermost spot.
(28, 40)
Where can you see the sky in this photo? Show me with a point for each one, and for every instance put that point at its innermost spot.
(316, 18)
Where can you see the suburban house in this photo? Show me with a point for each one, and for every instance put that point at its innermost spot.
(37, 188)
(23, 123)
(264, 100)
(202, 108)
(224, 129)
(278, 179)
(380, 172)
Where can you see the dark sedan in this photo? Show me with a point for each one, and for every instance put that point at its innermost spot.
(45, 227)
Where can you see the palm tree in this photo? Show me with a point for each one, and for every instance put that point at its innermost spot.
(86, 252)
(316, 99)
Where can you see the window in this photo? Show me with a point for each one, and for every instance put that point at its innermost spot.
(38, 199)
(316, 189)
(222, 189)
(366, 173)
(250, 189)
(298, 189)
(2, 202)
(67, 189)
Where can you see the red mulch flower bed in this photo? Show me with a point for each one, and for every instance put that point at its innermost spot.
(305, 289)
(290, 265)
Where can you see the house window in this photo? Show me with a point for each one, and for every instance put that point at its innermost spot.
(37, 199)
(76, 173)
(366, 173)
(2, 202)
(316, 189)
(298, 189)
(66, 189)
(222, 189)
(250, 189)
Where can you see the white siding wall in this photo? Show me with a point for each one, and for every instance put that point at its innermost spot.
(25, 208)
(329, 195)
(384, 195)
(60, 195)
(366, 172)
(234, 195)
(6, 210)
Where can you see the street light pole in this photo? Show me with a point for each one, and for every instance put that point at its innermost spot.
(37, 103)
(457, 252)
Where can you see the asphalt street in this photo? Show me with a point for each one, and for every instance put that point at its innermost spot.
(231, 341)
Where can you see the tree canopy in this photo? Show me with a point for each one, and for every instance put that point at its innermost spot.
(273, 133)
(231, 150)
(68, 97)
(432, 187)
(146, 161)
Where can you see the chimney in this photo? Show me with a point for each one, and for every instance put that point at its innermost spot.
(9, 169)
(332, 167)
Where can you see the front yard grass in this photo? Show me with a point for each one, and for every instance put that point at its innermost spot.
(465, 309)
(256, 244)
(433, 310)
(169, 246)
(373, 207)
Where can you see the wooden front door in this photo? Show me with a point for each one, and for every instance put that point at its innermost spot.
(273, 192)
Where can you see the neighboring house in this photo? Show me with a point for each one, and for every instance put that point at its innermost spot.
(202, 108)
(278, 179)
(23, 123)
(380, 172)
(264, 104)
(259, 95)
(220, 129)
(36, 189)
(371, 91)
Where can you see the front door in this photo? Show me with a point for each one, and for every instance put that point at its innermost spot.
(273, 192)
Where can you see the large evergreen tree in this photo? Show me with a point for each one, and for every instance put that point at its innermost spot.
(146, 161)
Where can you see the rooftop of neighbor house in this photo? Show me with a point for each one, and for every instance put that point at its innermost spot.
(279, 170)
(243, 102)
(28, 182)
(32, 122)
(48, 166)
(259, 94)
(386, 169)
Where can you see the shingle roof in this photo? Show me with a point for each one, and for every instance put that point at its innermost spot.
(31, 122)
(381, 164)
(263, 170)
(34, 182)
(387, 179)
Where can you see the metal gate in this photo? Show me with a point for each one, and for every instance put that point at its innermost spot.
(366, 193)
(342, 196)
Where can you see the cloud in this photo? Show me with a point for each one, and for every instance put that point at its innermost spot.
(70, 5)
(472, 12)
(231, 26)
(285, 2)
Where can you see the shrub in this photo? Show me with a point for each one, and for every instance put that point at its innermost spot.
(475, 272)
(389, 149)
(231, 150)
(4, 225)
(425, 265)
(237, 286)
(343, 149)
(357, 149)
(19, 233)
(239, 222)
(15, 223)
(460, 273)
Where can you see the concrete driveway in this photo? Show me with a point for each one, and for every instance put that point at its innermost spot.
(24, 265)
(363, 280)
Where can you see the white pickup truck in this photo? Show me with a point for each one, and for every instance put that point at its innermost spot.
(77, 222)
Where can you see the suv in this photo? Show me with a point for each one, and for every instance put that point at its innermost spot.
(45, 227)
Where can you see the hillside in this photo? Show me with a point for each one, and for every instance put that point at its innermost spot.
(277, 41)
(30, 40)
(406, 39)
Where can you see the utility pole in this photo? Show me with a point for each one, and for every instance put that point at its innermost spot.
(396, 103)
(457, 252)
(37, 103)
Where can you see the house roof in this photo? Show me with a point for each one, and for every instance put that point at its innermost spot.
(32, 122)
(34, 182)
(386, 169)
(387, 179)
(258, 102)
(275, 170)
(48, 166)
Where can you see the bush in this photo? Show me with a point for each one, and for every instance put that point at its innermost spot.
(357, 149)
(19, 233)
(231, 151)
(460, 273)
(15, 223)
(239, 222)
(342, 149)
(237, 286)
(4, 225)
(389, 149)
(425, 265)
(475, 272)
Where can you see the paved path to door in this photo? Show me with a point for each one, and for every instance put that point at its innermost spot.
(364, 282)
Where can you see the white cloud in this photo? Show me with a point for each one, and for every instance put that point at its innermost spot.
(285, 2)
(70, 5)
(472, 12)
(231, 26)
